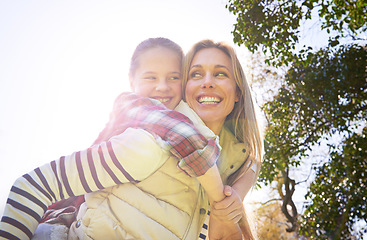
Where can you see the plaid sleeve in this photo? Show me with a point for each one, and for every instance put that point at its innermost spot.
(196, 153)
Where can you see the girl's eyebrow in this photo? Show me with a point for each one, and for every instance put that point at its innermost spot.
(149, 72)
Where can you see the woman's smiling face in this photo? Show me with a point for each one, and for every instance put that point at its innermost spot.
(211, 88)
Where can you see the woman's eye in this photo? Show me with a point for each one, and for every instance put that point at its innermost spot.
(195, 75)
(221, 74)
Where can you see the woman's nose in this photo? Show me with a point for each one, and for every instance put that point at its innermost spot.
(208, 81)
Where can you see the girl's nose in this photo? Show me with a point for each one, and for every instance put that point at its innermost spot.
(162, 86)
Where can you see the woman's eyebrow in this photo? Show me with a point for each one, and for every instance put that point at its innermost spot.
(221, 66)
(196, 66)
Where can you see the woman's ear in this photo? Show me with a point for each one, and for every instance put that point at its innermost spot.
(238, 95)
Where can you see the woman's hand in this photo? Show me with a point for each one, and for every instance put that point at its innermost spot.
(230, 208)
(223, 230)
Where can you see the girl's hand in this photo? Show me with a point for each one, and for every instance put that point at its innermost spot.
(230, 208)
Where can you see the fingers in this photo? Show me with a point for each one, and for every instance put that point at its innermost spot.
(225, 203)
(232, 199)
(230, 208)
(232, 215)
(227, 190)
(233, 212)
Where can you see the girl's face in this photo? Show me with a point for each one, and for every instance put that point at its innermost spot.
(211, 88)
(158, 76)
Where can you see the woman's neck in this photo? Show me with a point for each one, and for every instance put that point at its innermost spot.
(215, 127)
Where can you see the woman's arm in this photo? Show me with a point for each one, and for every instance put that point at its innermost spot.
(228, 217)
(231, 208)
(243, 185)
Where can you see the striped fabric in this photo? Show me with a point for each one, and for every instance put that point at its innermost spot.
(204, 230)
(103, 164)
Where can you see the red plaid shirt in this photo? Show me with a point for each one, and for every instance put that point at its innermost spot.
(196, 154)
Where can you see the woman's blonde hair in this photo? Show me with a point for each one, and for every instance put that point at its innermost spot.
(242, 121)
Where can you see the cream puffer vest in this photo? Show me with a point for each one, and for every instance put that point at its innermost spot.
(166, 205)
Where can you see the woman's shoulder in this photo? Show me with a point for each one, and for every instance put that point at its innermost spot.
(185, 109)
(226, 136)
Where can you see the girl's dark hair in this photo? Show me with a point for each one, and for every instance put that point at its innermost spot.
(153, 43)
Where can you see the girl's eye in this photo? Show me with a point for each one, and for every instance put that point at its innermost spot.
(175, 78)
(150, 78)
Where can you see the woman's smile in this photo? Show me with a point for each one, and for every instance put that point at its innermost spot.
(208, 100)
(211, 88)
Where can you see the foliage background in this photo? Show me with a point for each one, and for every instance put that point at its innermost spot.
(316, 132)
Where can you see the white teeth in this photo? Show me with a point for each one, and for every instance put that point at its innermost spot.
(209, 100)
(163, 100)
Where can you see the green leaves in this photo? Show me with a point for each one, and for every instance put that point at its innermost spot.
(339, 193)
(275, 26)
(324, 97)
(264, 24)
(324, 94)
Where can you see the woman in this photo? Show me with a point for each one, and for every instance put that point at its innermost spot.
(217, 90)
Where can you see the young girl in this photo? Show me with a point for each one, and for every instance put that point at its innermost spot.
(99, 167)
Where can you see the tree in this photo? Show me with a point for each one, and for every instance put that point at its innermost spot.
(325, 97)
(339, 192)
(274, 26)
(270, 223)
